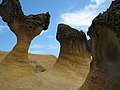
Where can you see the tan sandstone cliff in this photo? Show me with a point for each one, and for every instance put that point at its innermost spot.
(16, 71)
(72, 65)
(105, 36)
(68, 73)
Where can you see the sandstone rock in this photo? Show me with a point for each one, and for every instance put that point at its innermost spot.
(16, 71)
(105, 68)
(72, 65)
(24, 27)
(73, 45)
(22, 75)
(18, 76)
(72, 41)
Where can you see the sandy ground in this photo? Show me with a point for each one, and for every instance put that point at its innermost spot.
(64, 76)
(59, 76)
(45, 61)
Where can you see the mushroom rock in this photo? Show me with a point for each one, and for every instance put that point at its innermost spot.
(24, 27)
(73, 62)
(105, 37)
(16, 71)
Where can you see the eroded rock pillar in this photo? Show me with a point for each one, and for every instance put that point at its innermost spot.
(72, 65)
(24, 27)
(73, 43)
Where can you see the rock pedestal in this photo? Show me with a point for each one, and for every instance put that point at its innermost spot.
(24, 27)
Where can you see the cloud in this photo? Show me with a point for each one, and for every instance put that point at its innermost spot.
(50, 47)
(96, 5)
(79, 18)
(44, 50)
(3, 28)
(83, 18)
(35, 51)
(50, 36)
(35, 46)
(40, 47)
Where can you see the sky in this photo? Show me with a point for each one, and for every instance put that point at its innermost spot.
(76, 13)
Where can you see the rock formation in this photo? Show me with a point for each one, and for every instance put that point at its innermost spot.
(24, 27)
(72, 42)
(21, 75)
(73, 62)
(105, 36)
(74, 49)
(16, 72)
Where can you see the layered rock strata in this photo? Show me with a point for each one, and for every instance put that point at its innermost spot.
(72, 65)
(105, 36)
(16, 71)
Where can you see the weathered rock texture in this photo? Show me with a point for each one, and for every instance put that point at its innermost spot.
(72, 42)
(21, 75)
(24, 27)
(73, 62)
(105, 36)
(74, 50)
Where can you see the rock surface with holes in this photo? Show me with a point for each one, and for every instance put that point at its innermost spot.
(105, 68)
(72, 65)
(24, 27)
(16, 71)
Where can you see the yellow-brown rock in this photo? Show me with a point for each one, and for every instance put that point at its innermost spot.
(16, 71)
(105, 36)
(24, 27)
(72, 65)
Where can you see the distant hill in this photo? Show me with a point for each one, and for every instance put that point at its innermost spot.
(45, 61)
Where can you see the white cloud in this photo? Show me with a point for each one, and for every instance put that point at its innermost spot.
(96, 5)
(50, 36)
(44, 50)
(79, 18)
(83, 18)
(50, 47)
(40, 47)
(35, 51)
(3, 28)
(35, 46)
